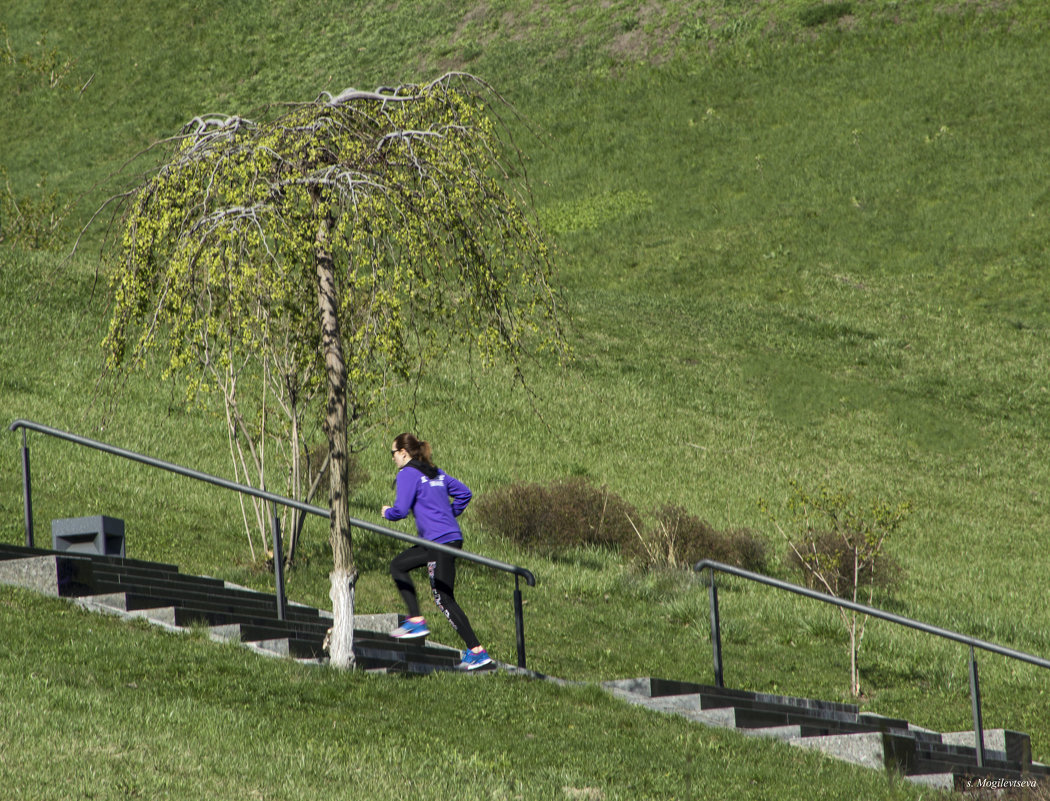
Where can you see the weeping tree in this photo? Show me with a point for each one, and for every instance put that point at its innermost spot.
(304, 264)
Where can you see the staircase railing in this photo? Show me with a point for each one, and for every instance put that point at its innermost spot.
(973, 642)
(28, 425)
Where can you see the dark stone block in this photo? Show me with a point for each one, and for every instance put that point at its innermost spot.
(99, 535)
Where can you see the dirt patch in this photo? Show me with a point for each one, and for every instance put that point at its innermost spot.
(645, 36)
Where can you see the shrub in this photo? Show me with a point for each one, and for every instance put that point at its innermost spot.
(28, 221)
(833, 558)
(562, 514)
(676, 538)
(572, 512)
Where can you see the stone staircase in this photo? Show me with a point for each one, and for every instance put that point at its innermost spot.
(943, 760)
(164, 596)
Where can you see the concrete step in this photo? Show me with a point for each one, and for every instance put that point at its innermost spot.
(1001, 744)
(164, 596)
(938, 757)
(874, 749)
(370, 652)
(38, 573)
(760, 710)
(904, 753)
(184, 615)
(91, 578)
(373, 650)
(12, 551)
(222, 601)
(657, 687)
(145, 587)
(947, 761)
(292, 638)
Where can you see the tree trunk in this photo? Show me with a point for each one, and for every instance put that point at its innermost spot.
(343, 576)
(854, 674)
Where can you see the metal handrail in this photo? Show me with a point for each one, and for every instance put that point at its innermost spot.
(972, 642)
(29, 425)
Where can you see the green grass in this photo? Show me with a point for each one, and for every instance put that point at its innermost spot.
(189, 719)
(791, 249)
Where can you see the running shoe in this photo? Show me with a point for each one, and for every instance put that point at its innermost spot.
(411, 629)
(472, 660)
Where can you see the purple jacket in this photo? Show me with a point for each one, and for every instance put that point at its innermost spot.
(434, 497)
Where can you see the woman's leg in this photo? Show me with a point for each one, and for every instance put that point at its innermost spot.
(442, 570)
(402, 564)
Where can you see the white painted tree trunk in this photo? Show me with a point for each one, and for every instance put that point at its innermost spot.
(344, 575)
(341, 639)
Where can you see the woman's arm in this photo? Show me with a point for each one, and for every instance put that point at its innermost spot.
(459, 493)
(405, 497)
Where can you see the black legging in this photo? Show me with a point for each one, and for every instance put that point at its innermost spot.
(442, 569)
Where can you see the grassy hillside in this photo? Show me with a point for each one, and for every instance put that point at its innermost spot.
(187, 719)
(798, 240)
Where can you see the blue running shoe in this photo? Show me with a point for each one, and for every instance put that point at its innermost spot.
(472, 660)
(411, 629)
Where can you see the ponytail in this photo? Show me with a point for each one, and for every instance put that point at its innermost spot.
(418, 450)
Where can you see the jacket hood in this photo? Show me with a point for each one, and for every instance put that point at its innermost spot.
(427, 469)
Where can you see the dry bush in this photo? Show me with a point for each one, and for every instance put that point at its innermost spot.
(572, 512)
(676, 538)
(827, 557)
(563, 514)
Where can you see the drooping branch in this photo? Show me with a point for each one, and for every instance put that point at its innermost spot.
(308, 262)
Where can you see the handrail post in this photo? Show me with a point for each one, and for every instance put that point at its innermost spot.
(716, 631)
(27, 491)
(975, 698)
(278, 564)
(519, 621)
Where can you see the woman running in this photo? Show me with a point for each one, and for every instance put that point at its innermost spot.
(435, 499)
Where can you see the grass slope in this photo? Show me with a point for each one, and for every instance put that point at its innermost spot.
(792, 247)
(187, 719)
